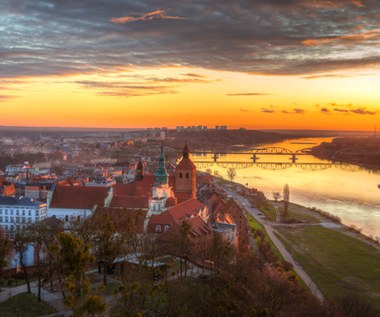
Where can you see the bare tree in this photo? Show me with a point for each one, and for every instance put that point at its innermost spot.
(21, 242)
(231, 173)
(276, 195)
(111, 234)
(286, 196)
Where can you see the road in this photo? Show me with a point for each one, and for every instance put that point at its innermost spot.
(255, 213)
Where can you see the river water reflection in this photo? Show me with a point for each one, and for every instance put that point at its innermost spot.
(347, 191)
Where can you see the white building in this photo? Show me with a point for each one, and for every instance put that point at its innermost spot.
(11, 170)
(69, 202)
(19, 211)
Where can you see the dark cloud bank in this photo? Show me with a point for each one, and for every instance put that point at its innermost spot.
(50, 37)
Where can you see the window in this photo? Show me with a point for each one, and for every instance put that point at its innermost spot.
(187, 175)
(166, 227)
(12, 212)
(158, 228)
(29, 212)
(23, 212)
(66, 218)
(17, 212)
(180, 175)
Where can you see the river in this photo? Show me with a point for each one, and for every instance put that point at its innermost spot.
(347, 191)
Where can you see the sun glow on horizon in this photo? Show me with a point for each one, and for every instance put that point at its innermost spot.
(171, 96)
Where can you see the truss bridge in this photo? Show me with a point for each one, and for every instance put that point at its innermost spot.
(255, 154)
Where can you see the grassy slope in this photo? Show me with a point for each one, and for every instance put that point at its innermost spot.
(337, 263)
(257, 226)
(25, 305)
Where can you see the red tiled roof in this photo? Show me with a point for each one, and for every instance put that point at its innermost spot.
(162, 219)
(198, 231)
(198, 227)
(186, 209)
(186, 164)
(138, 188)
(78, 197)
(136, 202)
(176, 214)
(70, 182)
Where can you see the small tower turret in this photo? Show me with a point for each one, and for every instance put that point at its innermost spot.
(185, 152)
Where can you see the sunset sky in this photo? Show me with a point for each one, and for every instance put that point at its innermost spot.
(262, 64)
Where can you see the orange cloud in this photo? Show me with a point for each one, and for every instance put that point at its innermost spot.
(357, 3)
(373, 35)
(158, 14)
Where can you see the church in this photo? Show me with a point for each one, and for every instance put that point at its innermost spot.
(165, 202)
(164, 199)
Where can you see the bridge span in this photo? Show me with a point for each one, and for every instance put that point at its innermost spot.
(255, 153)
(275, 166)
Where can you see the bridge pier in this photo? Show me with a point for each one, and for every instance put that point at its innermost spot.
(254, 158)
(215, 157)
(294, 158)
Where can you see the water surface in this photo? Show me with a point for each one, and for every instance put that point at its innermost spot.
(345, 190)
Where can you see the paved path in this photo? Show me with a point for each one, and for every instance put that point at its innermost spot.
(10, 292)
(53, 299)
(254, 212)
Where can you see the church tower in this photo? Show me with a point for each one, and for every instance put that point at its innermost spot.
(139, 171)
(185, 177)
(161, 173)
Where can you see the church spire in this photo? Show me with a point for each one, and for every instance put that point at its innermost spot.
(185, 152)
(161, 173)
(139, 171)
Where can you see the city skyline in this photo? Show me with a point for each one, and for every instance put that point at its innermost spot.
(279, 65)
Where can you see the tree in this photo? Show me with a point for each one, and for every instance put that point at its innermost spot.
(221, 252)
(111, 233)
(73, 259)
(286, 198)
(184, 244)
(36, 237)
(21, 242)
(231, 174)
(5, 249)
(93, 306)
(276, 195)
